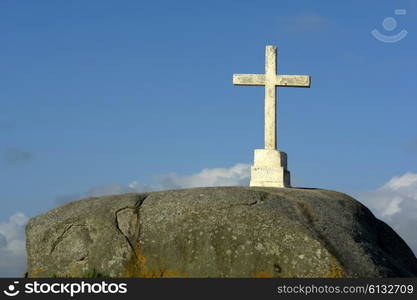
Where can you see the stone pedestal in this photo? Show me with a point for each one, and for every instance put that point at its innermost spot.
(270, 169)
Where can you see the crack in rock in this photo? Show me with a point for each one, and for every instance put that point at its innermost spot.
(61, 236)
(127, 222)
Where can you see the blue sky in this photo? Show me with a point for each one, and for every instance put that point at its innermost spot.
(106, 93)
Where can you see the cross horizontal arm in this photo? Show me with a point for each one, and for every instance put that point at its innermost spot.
(293, 80)
(248, 79)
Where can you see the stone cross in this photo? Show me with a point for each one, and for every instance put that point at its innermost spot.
(270, 166)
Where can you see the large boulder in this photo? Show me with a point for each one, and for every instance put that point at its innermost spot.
(217, 232)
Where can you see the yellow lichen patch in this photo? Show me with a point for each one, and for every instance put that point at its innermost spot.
(36, 273)
(336, 271)
(262, 275)
(137, 267)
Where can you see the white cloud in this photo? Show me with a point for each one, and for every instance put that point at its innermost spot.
(396, 203)
(137, 187)
(12, 246)
(406, 183)
(237, 175)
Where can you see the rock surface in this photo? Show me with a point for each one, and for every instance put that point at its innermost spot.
(217, 232)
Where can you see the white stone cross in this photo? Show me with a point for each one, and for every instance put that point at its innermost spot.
(270, 165)
(271, 80)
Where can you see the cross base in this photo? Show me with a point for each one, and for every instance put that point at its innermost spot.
(270, 169)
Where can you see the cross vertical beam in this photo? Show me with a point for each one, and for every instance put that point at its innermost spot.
(270, 98)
